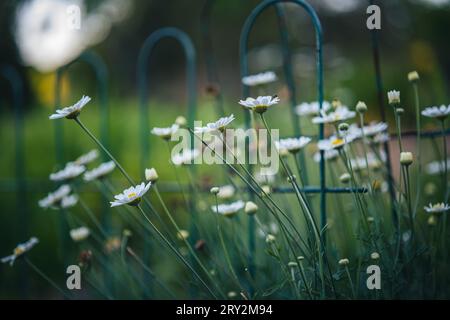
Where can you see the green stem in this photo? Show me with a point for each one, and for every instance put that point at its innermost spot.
(182, 259)
(418, 142)
(46, 278)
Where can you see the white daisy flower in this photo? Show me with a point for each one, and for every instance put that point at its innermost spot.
(331, 143)
(312, 108)
(264, 178)
(71, 112)
(55, 197)
(437, 208)
(381, 138)
(87, 158)
(230, 209)
(165, 133)
(394, 97)
(359, 163)
(21, 249)
(226, 192)
(375, 128)
(353, 133)
(185, 157)
(329, 154)
(436, 167)
(292, 145)
(79, 234)
(70, 171)
(69, 201)
(100, 172)
(437, 112)
(341, 113)
(259, 79)
(131, 196)
(260, 104)
(218, 125)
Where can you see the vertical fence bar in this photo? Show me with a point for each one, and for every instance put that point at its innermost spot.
(143, 81)
(144, 92)
(243, 51)
(15, 81)
(379, 85)
(290, 80)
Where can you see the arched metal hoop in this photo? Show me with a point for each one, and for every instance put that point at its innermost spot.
(319, 65)
(143, 80)
(98, 66)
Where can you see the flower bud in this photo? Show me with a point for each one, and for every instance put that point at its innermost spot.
(270, 239)
(215, 190)
(181, 121)
(183, 234)
(250, 208)
(374, 256)
(361, 107)
(344, 262)
(336, 103)
(292, 264)
(394, 98)
(343, 127)
(413, 76)
(345, 177)
(406, 158)
(232, 294)
(151, 175)
(300, 258)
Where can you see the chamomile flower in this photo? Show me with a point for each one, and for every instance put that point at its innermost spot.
(218, 125)
(436, 167)
(69, 201)
(71, 112)
(185, 157)
(394, 98)
(52, 199)
(165, 133)
(20, 250)
(260, 104)
(341, 113)
(226, 192)
(437, 208)
(70, 171)
(259, 79)
(375, 128)
(229, 210)
(381, 138)
(331, 143)
(79, 234)
(131, 196)
(312, 108)
(329, 154)
(437, 112)
(100, 172)
(87, 158)
(293, 145)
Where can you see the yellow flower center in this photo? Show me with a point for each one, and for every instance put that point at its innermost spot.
(18, 251)
(132, 195)
(337, 142)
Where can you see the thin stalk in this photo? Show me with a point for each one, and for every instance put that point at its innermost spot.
(444, 141)
(351, 282)
(418, 148)
(46, 278)
(186, 242)
(182, 259)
